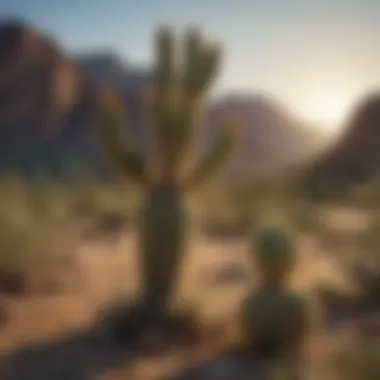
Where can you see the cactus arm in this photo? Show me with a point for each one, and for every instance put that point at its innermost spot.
(208, 69)
(214, 159)
(163, 100)
(201, 65)
(165, 68)
(122, 155)
(174, 106)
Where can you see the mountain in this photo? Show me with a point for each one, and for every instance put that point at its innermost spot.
(47, 105)
(272, 140)
(355, 157)
(109, 71)
(49, 101)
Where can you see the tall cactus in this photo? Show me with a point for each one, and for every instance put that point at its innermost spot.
(174, 106)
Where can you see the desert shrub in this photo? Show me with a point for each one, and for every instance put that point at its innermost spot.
(23, 246)
(364, 267)
(99, 200)
(366, 275)
(242, 207)
(29, 234)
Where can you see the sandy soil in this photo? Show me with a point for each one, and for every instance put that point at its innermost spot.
(50, 337)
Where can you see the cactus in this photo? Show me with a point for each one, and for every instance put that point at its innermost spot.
(274, 314)
(174, 110)
(273, 317)
(274, 254)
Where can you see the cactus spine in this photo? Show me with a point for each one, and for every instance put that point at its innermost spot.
(174, 111)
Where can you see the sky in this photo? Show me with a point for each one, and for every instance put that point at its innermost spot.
(318, 57)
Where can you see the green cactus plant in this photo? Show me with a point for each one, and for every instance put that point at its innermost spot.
(274, 254)
(274, 318)
(174, 105)
(274, 314)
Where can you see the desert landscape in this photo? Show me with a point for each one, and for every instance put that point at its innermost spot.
(79, 243)
(51, 325)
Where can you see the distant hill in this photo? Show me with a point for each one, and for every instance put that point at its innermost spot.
(49, 103)
(355, 157)
(273, 140)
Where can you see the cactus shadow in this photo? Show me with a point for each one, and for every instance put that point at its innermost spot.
(231, 366)
(79, 356)
(221, 367)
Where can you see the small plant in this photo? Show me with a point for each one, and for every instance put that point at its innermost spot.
(364, 266)
(274, 318)
(28, 242)
(174, 110)
(274, 254)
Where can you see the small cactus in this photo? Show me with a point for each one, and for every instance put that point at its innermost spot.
(174, 109)
(274, 254)
(273, 317)
(274, 314)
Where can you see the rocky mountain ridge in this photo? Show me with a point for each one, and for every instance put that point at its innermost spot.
(49, 103)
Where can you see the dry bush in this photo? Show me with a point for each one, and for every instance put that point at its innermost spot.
(105, 204)
(360, 259)
(31, 234)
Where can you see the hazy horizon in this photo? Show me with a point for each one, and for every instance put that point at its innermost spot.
(315, 57)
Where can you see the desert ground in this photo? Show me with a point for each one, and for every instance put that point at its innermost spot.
(52, 335)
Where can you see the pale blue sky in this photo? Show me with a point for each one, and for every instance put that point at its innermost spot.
(316, 56)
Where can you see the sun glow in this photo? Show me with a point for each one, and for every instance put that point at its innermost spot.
(331, 110)
(327, 109)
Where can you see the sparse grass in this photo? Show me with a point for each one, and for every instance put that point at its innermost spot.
(94, 198)
(365, 265)
(34, 218)
(32, 234)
